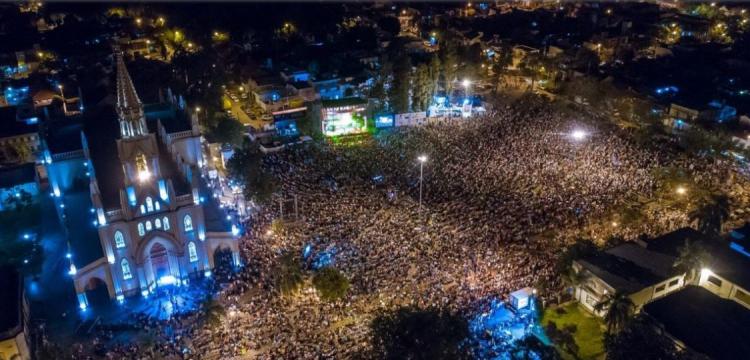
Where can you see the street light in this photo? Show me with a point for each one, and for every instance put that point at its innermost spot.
(422, 159)
(62, 95)
(578, 134)
(681, 190)
(466, 83)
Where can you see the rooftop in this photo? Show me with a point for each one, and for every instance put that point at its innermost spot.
(704, 322)
(620, 273)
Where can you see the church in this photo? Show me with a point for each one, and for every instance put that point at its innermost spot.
(145, 202)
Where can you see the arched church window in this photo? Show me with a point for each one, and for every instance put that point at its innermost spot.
(166, 223)
(148, 225)
(141, 167)
(143, 209)
(156, 205)
(119, 240)
(192, 252)
(157, 223)
(149, 204)
(188, 222)
(141, 230)
(126, 274)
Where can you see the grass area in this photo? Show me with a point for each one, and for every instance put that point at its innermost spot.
(590, 333)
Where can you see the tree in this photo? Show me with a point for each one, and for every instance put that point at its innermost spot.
(711, 215)
(434, 70)
(398, 93)
(422, 88)
(581, 248)
(639, 340)
(691, 258)
(574, 278)
(411, 333)
(228, 131)
(619, 310)
(213, 311)
(563, 338)
(586, 58)
(449, 58)
(330, 283)
(288, 272)
(246, 167)
(530, 348)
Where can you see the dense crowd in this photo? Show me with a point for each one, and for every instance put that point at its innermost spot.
(502, 196)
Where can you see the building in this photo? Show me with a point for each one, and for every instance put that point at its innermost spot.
(146, 204)
(19, 136)
(631, 268)
(645, 270)
(698, 320)
(14, 318)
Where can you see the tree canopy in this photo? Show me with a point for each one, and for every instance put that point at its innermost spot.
(412, 333)
(330, 283)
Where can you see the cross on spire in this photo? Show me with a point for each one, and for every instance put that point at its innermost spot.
(129, 106)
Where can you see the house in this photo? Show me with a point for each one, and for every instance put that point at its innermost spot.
(19, 136)
(644, 269)
(681, 114)
(696, 319)
(630, 268)
(521, 52)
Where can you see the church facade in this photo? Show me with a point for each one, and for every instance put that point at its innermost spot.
(156, 236)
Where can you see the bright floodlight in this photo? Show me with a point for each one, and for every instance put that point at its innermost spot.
(578, 135)
(144, 175)
(466, 83)
(681, 190)
(422, 158)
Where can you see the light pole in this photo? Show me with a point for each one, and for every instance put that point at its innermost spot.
(466, 84)
(422, 159)
(65, 107)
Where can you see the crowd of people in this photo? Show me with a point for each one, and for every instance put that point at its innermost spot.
(502, 195)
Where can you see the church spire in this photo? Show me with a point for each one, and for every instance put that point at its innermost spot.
(129, 107)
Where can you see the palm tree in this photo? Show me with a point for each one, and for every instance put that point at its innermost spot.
(692, 257)
(574, 278)
(710, 217)
(619, 310)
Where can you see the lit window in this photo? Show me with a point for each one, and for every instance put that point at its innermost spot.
(166, 223)
(192, 252)
(143, 209)
(157, 223)
(119, 240)
(141, 230)
(157, 206)
(149, 204)
(148, 226)
(188, 222)
(126, 274)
